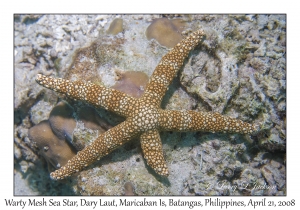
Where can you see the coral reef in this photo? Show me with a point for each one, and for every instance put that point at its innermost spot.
(86, 61)
(213, 79)
(248, 50)
(234, 75)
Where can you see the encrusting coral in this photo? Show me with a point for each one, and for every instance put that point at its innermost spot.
(56, 151)
(58, 138)
(62, 121)
(132, 83)
(116, 26)
(144, 117)
(166, 32)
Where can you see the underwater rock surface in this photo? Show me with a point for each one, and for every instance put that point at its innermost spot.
(239, 71)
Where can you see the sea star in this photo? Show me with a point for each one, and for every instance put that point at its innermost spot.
(144, 117)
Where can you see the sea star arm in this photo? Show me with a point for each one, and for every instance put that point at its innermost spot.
(96, 95)
(169, 66)
(204, 121)
(102, 146)
(153, 153)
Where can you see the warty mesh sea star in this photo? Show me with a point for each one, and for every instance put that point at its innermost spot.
(144, 117)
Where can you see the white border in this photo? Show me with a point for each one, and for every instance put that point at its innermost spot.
(154, 6)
